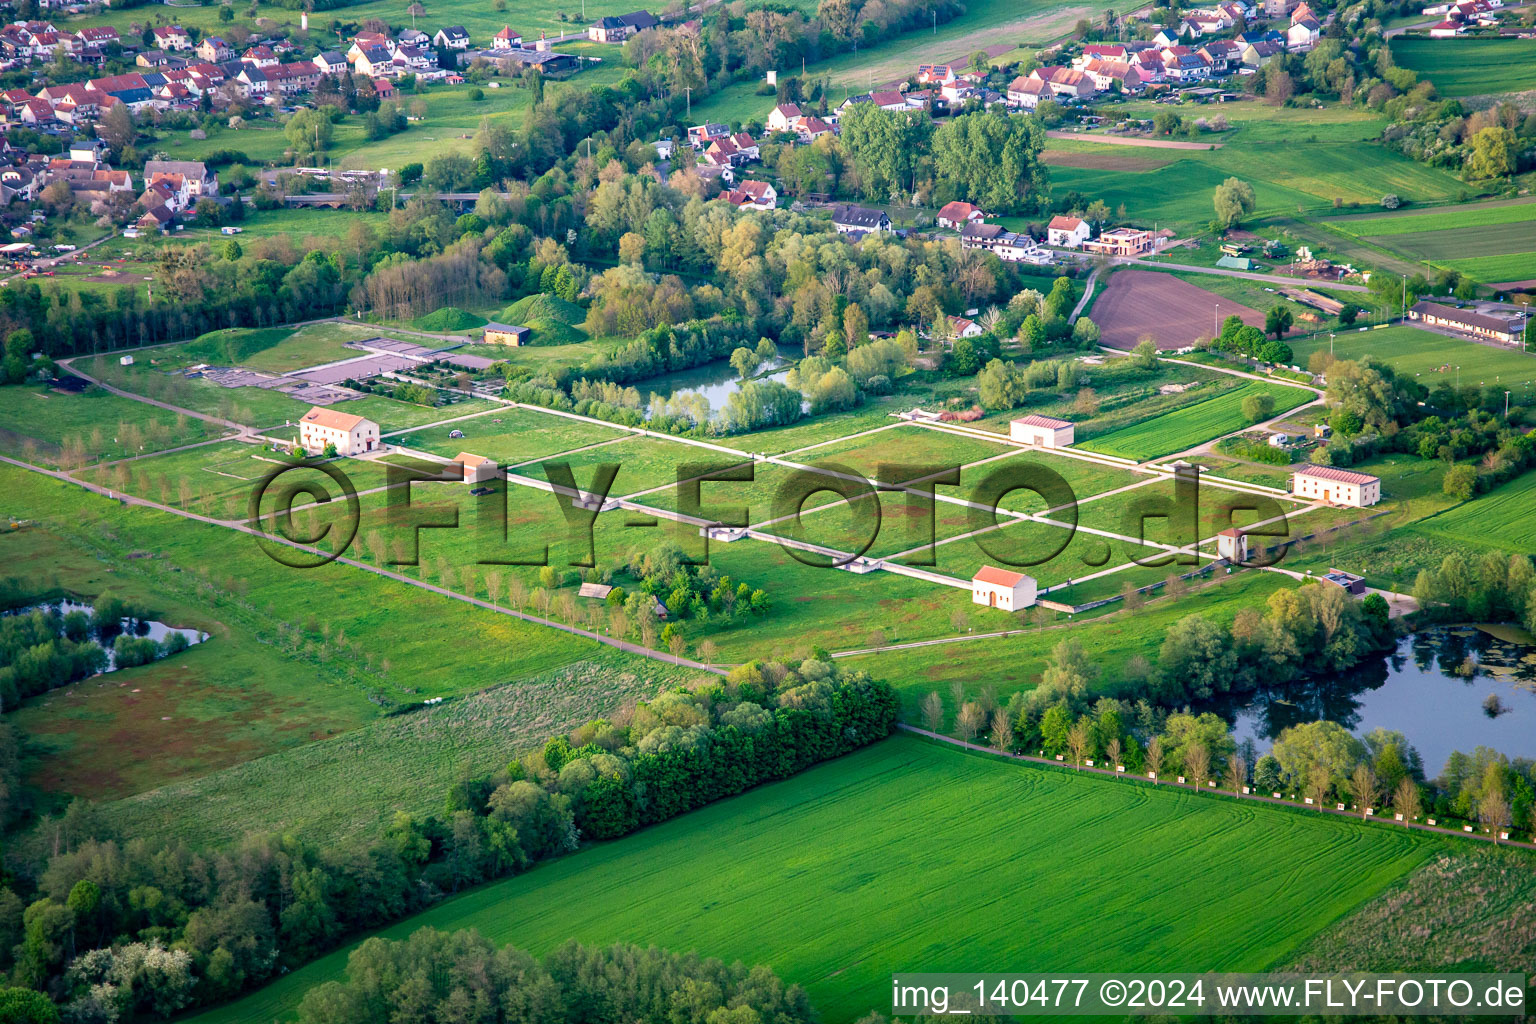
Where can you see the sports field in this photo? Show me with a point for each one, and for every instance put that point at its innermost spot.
(1470, 67)
(1430, 357)
(914, 856)
(1184, 428)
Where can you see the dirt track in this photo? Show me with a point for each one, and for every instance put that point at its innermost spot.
(1173, 311)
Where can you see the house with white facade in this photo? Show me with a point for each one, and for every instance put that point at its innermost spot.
(1002, 588)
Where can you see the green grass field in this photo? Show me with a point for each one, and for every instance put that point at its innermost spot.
(308, 346)
(36, 423)
(1430, 357)
(1470, 67)
(1511, 267)
(510, 436)
(1502, 517)
(219, 702)
(909, 856)
(1472, 215)
(1189, 426)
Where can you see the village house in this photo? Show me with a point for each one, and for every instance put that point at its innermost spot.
(451, 37)
(938, 75)
(1446, 30)
(1099, 51)
(1067, 232)
(261, 56)
(857, 220)
(1222, 54)
(1303, 33)
(330, 62)
(172, 37)
(783, 117)
(1121, 242)
(1467, 321)
(1115, 75)
(1045, 431)
(1027, 92)
(1256, 55)
(616, 30)
(1068, 84)
(1002, 588)
(756, 194)
(964, 327)
(1336, 486)
(957, 215)
(196, 179)
(215, 49)
(352, 435)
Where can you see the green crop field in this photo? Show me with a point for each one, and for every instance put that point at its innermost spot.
(1470, 67)
(876, 863)
(1502, 517)
(1430, 357)
(1414, 222)
(1458, 243)
(1193, 424)
(984, 23)
(1520, 266)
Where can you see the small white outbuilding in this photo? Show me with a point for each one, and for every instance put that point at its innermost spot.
(1002, 588)
(1045, 431)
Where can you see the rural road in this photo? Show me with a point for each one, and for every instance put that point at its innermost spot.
(1293, 282)
(1209, 791)
(68, 364)
(1116, 140)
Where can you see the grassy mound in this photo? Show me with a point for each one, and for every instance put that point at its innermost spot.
(234, 344)
(543, 307)
(449, 318)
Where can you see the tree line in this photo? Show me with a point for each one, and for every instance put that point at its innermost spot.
(112, 928)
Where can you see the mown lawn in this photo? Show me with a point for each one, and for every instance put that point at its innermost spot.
(1430, 357)
(875, 864)
(1189, 426)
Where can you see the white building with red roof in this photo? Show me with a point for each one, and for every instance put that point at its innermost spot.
(1002, 588)
(352, 435)
(1068, 232)
(957, 215)
(1334, 486)
(1045, 431)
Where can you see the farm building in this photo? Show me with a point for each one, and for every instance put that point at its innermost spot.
(1469, 321)
(1070, 232)
(1046, 431)
(1232, 544)
(1336, 486)
(599, 591)
(477, 468)
(1002, 588)
(352, 435)
(505, 334)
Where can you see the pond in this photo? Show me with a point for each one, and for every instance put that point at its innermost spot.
(105, 635)
(1448, 688)
(716, 381)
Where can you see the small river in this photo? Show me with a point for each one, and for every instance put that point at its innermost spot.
(1447, 688)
